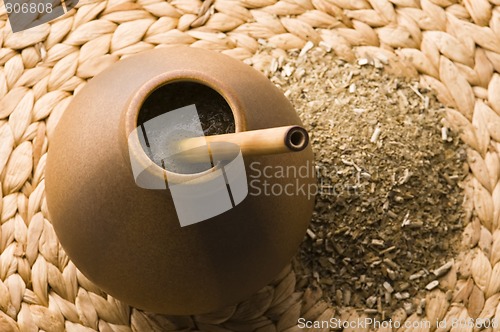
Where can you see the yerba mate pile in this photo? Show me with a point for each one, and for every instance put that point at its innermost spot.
(388, 217)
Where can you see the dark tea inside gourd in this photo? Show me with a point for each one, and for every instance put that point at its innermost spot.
(214, 115)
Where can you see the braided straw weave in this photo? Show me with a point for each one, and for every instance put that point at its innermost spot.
(453, 45)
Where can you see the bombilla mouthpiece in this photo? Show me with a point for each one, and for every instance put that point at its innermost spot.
(251, 143)
(296, 138)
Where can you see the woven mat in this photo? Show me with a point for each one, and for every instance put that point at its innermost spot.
(453, 45)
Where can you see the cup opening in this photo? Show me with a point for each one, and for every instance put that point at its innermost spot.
(214, 114)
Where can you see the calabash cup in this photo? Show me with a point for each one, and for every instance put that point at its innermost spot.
(128, 240)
